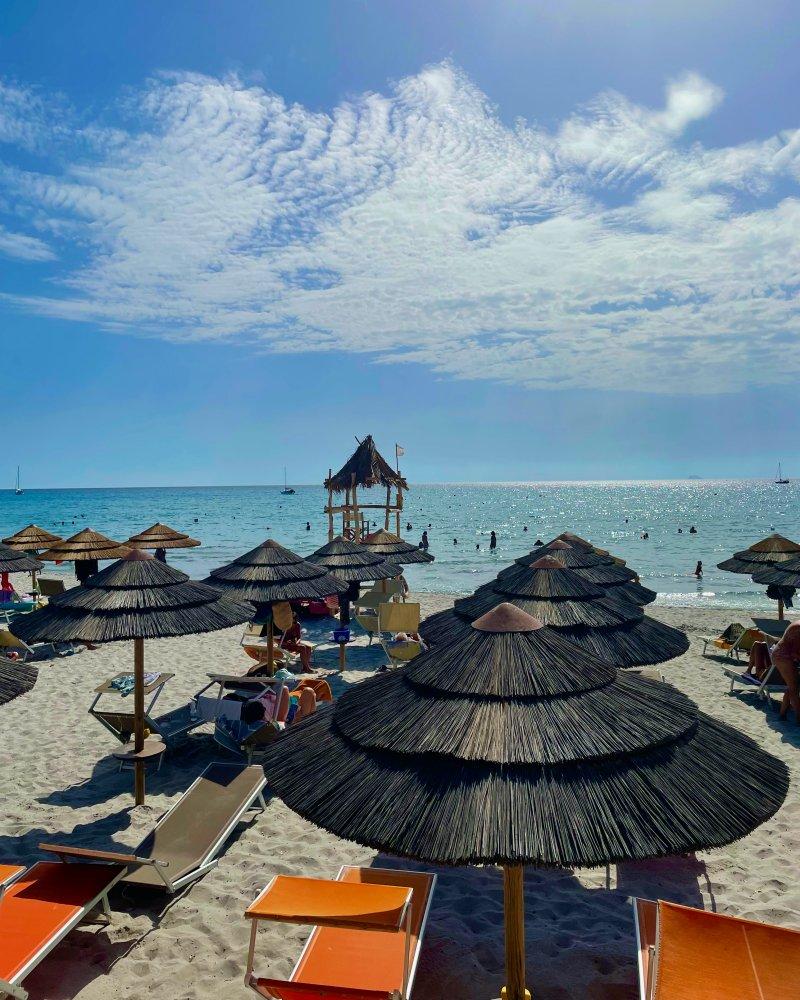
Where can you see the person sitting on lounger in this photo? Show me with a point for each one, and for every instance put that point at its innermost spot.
(786, 657)
(293, 641)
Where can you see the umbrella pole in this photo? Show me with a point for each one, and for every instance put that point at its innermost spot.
(514, 904)
(138, 712)
(270, 646)
(780, 609)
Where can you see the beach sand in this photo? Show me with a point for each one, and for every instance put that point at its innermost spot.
(59, 783)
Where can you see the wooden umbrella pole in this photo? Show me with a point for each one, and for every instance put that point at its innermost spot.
(514, 900)
(138, 713)
(780, 609)
(270, 646)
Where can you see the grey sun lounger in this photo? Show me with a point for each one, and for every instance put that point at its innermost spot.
(186, 841)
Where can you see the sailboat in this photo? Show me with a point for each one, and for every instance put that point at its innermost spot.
(17, 489)
(779, 479)
(287, 490)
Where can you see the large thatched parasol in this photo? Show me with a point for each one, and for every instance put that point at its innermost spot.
(15, 561)
(31, 539)
(516, 747)
(385, 544)
(161, 537)
(269, 574)
(85, 549)
(770, 551)
(590, 565)
(16, 678)
(136, 598)
(615, 629)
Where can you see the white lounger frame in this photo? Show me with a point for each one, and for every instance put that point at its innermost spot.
(13, 987)
(414, 959)
(643, 979)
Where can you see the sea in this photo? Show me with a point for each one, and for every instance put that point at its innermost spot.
(229, 520)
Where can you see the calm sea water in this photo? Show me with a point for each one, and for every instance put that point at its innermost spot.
(728, 515)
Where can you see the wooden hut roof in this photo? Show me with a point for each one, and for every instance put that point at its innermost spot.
(86, 544)
(535, 753)
(270, 573)
(365, 467)
(15, 561)
(31, 538)
(161, 536)
(352, 562)
(136, 597)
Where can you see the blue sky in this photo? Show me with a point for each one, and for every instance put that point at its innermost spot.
(524, 240)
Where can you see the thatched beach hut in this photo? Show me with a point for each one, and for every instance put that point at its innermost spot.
(613, 628)
(366, 468)
(772, 551)
(515, 747)
(136, 598)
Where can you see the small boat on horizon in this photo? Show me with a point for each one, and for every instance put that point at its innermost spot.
(18, 490)
(780, 480)
(287, 490)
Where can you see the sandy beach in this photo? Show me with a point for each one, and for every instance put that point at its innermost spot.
(60, 782)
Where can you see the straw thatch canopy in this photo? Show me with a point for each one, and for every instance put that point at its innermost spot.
(31, 538)
(271, 573)
(161, 536)
(365, 467)
(615, 629)
(784, 574)
(87, 544)
(136, 597)
(351, 562)
(769, 551)
(513, 747)
(385, 544)
(591, 566)
(14, 561)
(15, 679)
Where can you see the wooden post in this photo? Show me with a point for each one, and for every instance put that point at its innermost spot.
(514, 900)
(138, 715)
(330, 508)
(270, 645)
(780, 609)
(357, 529)
(388, 507)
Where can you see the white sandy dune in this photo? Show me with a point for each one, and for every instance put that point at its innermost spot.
(59, 782)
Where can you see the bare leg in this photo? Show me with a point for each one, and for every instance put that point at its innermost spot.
(788, 671)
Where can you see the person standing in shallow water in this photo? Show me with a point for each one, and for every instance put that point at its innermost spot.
(424, 543)
(492, 542)
(698, 570)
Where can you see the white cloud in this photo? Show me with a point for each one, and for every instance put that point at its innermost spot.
(23, 247)
(416, 226)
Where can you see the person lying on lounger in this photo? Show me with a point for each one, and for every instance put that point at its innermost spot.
(786, 657)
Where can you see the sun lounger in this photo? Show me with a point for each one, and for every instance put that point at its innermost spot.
(772, 627)
(763, 687)
(172, 727)
(393, 618)
(734, 640)
(187, 839)
(40, 906)
(689, 953)
(50, 586)
(368, 930)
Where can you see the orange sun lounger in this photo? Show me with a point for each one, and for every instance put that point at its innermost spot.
(689, 954)
(39, 907)
(368, 929)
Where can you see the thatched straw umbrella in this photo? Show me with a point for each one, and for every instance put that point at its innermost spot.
(589, 565)
(14, 561)
(269, 574)
(516, 747)
(770, 551)
(612, 628)
(353, 563)
(161, 537)
(136, 598)
(16, 678)
(385, 544)
(32, 539)
(85, 549)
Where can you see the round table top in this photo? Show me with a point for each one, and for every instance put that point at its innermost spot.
(152, 748)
